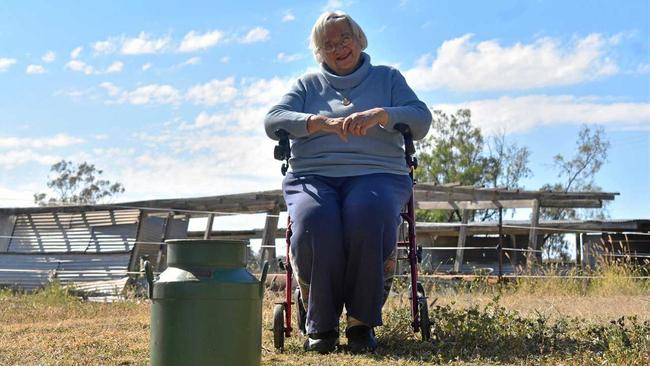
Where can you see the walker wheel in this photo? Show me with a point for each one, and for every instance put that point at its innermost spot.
(425, 322)
(278, 327)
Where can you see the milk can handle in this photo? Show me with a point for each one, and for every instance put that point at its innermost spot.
(148, 271)
(265, 271)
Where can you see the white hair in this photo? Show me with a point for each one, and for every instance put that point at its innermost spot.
(327, 18)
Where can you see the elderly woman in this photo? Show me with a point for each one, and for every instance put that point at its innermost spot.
(347, 180)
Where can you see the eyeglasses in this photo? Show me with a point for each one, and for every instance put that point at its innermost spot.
(345, 41)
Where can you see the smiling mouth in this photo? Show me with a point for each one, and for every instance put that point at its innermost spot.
(342, 58)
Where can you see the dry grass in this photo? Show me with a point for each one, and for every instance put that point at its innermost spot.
(52, 328)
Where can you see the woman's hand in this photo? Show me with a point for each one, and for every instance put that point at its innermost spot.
(359, 123)
(330, 125)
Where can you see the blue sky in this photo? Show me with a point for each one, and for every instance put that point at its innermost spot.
(168, 97)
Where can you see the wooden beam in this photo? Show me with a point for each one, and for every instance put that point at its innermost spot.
(268, 237)
(532, 235)
(208, 227)
(462, 235)
(134, 261)
(473, 205)
(572, 203)
(161, 261)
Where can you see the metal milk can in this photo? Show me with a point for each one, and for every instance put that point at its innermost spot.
(206, 307)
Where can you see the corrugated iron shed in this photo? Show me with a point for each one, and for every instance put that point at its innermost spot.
(90, 250)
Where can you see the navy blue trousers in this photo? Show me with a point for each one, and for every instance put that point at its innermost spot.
(344, 229)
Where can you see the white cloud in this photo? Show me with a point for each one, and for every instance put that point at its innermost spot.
(76, 94)
(146, 66)
(13, 158)
(146, 94)
(105, 47)
(80, 66)
(333, 5)
(110, 88)
(643, 69)
(222, 171)
(191, 61)
(21, 197)
(265, 92)
(115, 67)
(247, 105)
(283, 57)
(213, 92)
(56, 141)
(5, 63)
(251, 94)
(48, 57)
(154, 94)
(288, 16)
(194, 41)
(205, 119)
(517, 114)
(225, 59)
(466, 66)
(144, 44)
(257, 34)
(34, 69)
(76, 52)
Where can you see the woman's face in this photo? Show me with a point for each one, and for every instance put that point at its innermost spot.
(341, 51)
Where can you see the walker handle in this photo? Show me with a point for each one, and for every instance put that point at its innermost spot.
(265, 271)
(148, 271)
(405, 130)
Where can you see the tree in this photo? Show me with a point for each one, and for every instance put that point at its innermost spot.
(77, 184)
(576, 174)
(456, 152)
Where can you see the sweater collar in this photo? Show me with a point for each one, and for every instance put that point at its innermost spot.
(347, 81)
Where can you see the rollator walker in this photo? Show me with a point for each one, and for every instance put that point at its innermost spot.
(419, 308)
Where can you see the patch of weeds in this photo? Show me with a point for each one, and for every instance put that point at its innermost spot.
(55, 294)
(494, 332)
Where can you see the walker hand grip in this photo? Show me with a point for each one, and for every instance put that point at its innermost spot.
(405, 130)
(282, 150)
(148, 271)
(265, 271)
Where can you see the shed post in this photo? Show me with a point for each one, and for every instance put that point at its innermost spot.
(162, 249)
(268, 237)
(578, 251)
(208, 227)
(531, 255)
(462, 235)
(134, 262)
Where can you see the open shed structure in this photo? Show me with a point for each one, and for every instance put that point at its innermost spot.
(97, 248)
(467, 246)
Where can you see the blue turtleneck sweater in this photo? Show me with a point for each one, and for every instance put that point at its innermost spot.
(379, 151)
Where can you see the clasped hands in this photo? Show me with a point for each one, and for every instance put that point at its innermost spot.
(356, 124)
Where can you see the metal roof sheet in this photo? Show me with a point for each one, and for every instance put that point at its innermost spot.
(103, 272)
(54, 232)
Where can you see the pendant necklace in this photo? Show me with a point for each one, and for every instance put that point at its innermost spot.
(345, 100)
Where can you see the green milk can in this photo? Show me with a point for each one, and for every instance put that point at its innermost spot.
(206, 307)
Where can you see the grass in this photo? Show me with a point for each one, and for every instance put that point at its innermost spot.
(604, 321)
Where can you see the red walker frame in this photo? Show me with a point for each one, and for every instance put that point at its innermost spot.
(419, 307)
